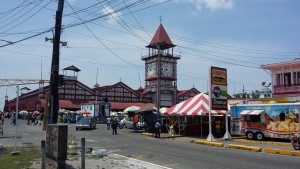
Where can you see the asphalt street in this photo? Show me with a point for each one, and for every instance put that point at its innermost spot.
(178, 153)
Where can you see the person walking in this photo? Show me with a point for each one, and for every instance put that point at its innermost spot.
(2, 118)
(114, 126)
(28, 118)
(157, 129)
(40, 119)
(135, 122)
(108, 121)
(13, 119)
(171, 131)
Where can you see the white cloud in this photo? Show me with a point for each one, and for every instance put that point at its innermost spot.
(113, 15)
(212, 5)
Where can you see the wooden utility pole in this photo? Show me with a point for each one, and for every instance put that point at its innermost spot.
(53, 95)
(45, 118)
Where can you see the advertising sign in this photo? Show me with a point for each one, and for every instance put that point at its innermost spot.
(218, 96)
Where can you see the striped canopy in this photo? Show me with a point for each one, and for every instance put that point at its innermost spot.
(197, 105)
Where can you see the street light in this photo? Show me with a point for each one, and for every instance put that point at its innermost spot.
(27, 89)
(24, 88)
(267, 87)
(15, 152)
(63, 43)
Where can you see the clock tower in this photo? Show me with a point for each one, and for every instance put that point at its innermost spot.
(161, 70)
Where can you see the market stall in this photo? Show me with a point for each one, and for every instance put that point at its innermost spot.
(195, 111)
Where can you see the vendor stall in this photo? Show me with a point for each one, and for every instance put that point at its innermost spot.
(196, 111)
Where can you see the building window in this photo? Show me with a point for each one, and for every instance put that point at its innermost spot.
(287, 79)
(296, 76)
(278, 79)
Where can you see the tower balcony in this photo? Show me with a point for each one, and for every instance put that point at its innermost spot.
(162, 54)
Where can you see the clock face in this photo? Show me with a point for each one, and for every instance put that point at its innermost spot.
(151, 70)
(167, 70)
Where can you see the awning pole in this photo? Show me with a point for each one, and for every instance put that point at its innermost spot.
(178, 124)
(227, 135)
(201, 126)
(210, 136)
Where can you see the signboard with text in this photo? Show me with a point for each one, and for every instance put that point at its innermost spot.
(218, 79)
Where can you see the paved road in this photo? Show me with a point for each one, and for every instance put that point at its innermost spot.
(176, 153)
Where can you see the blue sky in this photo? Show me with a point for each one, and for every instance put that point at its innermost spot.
(239, 35)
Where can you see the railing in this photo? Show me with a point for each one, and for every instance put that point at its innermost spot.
(162, 54)
(284, 89)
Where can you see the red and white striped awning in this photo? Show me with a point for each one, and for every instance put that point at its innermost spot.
(197, 105)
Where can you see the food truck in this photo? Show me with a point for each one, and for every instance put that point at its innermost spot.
(257, 121)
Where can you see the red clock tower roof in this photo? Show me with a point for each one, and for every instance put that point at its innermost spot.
(162, 38)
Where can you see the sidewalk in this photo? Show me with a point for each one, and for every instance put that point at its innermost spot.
(110, 161)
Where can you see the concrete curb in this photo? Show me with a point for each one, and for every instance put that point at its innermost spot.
(244, 147)
(282, 152)
(148, 134)
(210, 143)
(262, 142)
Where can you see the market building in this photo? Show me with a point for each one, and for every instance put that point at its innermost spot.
(160, 70)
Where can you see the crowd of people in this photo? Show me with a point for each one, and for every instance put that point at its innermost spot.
(34, 119)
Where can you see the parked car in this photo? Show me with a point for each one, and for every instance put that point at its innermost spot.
(86, 122)
(128, 123)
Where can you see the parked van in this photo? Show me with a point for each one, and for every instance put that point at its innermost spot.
(257, 121)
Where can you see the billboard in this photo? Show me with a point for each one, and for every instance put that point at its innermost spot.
(218, 93)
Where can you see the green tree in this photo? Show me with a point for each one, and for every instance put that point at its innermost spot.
(255, 94)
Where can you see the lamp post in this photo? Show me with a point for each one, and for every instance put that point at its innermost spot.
(15, 152)
(24, 88)
(27, 89)
(267, 87)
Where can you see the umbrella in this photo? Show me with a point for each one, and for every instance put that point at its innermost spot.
(132, 109)
(163, 110)
(113, 113)
(23, 112)
(36, 112)
(147, 108)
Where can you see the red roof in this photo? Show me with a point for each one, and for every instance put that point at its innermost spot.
(124, 105)
(182, 92)
(66, 104)
(76, 104)
(161, 37)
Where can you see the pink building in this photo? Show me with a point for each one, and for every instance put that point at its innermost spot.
(285, 78)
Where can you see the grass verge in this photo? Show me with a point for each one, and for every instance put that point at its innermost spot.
(21, 161)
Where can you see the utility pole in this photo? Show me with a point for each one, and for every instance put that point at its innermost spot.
(53, 95)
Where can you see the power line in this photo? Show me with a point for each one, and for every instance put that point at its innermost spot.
(16, 19)
(27, 18)
(74, 60)
(26, 38)
(127, 28)
(103, 43)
